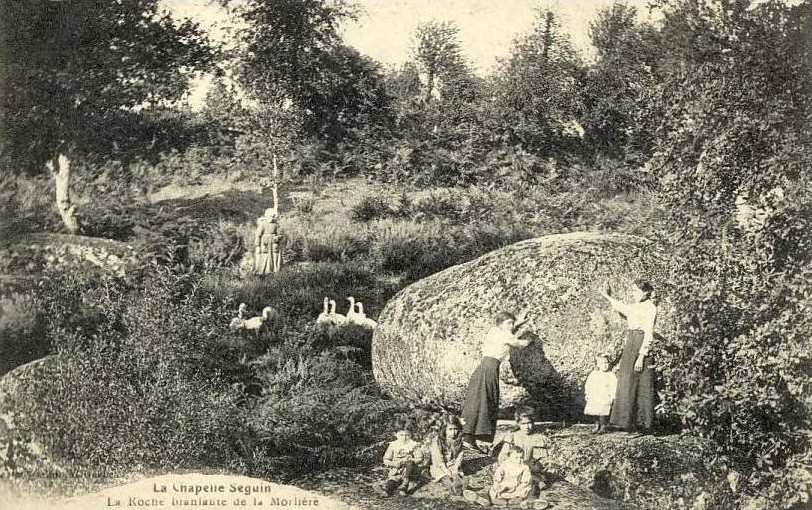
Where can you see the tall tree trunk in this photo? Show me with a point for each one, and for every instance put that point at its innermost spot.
(60, 168)
(429, 85)
(276, 186)
(548, 36)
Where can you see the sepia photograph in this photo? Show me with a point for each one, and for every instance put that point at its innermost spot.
(405, 254)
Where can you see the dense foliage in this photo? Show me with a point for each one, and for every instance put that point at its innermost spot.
(733, 152)
(79, 79)
(693, 130)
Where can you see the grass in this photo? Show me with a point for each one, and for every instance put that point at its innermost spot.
(342, 238)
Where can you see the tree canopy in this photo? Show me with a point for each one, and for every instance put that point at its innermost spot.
(76, 72)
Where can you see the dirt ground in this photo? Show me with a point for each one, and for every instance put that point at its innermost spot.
(362, 488)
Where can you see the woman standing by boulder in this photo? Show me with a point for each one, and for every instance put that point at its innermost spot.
(479, 412)
(633, 408)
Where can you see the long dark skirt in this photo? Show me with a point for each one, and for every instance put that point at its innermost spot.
(481, 407)
(633, 407)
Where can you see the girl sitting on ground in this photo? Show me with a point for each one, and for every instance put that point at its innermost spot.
(446, 455)
(512, 481)
(403, 457)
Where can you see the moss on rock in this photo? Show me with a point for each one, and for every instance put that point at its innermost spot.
(649, 471)
(429, 336)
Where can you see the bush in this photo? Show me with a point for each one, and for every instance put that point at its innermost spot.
(733, 160)
(317, 242)
(413, 249)
(27, 204)
(219, 245)
(106, 220)
(141, 388)
(371, 208)
(445, 205)
(318, 412)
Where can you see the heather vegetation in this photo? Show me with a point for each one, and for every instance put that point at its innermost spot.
(692, 132)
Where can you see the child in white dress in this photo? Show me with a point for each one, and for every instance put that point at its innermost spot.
(600, 388)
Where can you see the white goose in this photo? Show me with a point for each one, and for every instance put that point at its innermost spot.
(337, 318)
(256, 323)
(352, 317)
(238, 322)
(362, 319)
(324, 320)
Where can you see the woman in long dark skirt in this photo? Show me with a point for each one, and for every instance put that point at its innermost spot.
(633, 408)
(481, 407)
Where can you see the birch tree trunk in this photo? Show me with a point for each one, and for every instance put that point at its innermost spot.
(60, 168)
(275, 189)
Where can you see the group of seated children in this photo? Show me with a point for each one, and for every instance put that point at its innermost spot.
(406, 459)
(519, 473)
(517, 477)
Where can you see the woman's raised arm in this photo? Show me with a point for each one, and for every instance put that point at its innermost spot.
(617, 305)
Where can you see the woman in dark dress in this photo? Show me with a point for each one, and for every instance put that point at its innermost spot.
(633, 408)
(481, 407)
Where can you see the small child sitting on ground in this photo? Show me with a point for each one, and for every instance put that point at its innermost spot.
(599, 390)
(534, 446)
(403, 456)
(512, 481)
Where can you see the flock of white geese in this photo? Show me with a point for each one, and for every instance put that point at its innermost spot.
(328, 319)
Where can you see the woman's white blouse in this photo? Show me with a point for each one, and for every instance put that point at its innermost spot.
(497, 343)
(640, 316)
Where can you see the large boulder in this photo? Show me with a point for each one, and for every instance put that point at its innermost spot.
(429, 336)
(33, 253)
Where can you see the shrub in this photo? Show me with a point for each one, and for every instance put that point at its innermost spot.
(304, 206)
(733, 159)
(318, 412)
(443, 204)
(106, 220)
(412, 249)
(371, 208)
(218, 245)
(27, 204)
(319, 242)
(142, 388)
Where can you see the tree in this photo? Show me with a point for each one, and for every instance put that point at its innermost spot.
(75, 75)
(616, 87)
(291, 51)
(537, 86)
(436, 51)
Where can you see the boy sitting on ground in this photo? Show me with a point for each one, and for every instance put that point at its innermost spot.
(403, 457)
